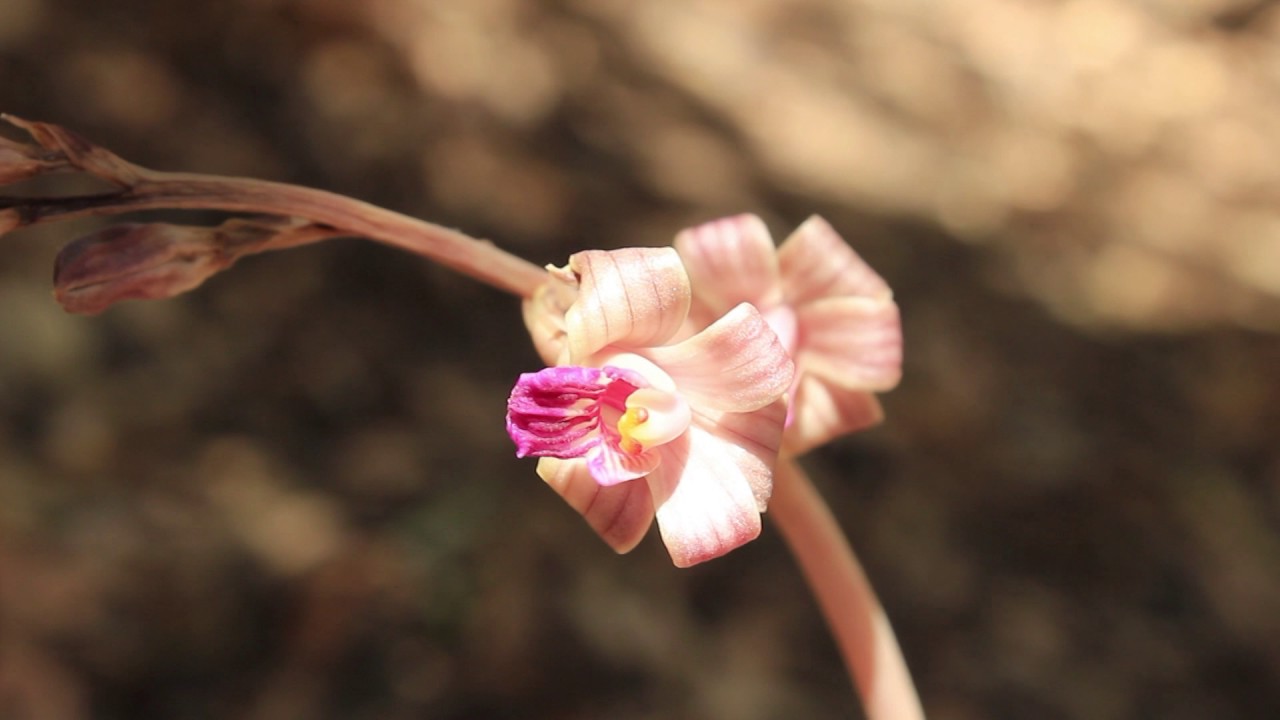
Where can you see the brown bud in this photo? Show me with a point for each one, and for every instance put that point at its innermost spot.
(62, 149)
(9, 219)
(19, 162)
(135, 261)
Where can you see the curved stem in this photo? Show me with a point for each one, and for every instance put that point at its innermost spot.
(854, 615)
(140, 188)
(479, 259)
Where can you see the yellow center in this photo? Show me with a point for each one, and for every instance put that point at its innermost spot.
(653, 417)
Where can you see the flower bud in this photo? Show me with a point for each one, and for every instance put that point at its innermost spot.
(9, 220)
(19, 162)
(135, 261)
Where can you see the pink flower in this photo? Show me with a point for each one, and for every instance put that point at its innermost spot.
(832, 312)
(628, 428)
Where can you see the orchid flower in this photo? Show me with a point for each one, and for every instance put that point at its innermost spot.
(838, 320)
(831, 311)
(668, 392)
(629, 428)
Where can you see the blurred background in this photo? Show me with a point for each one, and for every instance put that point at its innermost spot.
(289, 493)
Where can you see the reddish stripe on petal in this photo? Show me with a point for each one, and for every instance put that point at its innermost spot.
(753, 439)
(737, 364)
(705, 506)
(823, 411)
(630, 298)
(816, 263)
(852, 342)
(731, 261)
(620, 514)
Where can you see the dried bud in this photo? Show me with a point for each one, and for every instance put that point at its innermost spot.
(9, 219)
(62, 149)
(136, 261)
(19, 162)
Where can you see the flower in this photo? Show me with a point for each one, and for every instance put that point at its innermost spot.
(832, 312)
(628, 428)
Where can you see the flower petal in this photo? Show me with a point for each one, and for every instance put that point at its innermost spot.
(756, 436)
(735, 365)
(816, 263)
(711, 487)
(610, 466)
(544, 315)
(620, 514)
(822, 412)
(631, 298)
(852, 342)
(730, 261)
(555, 411)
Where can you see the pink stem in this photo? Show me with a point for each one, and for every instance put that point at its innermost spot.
(149, 189)
(139, 188)
(854, 615)
(479, 259)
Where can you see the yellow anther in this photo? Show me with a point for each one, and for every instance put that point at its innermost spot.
(627, 424)
(653, 417)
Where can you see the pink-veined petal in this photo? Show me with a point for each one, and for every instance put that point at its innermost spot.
(730, 261)
(630, 298)
(756, 437)
(619, 514)
(852, 342)
(544, 315)
(611, 466)
(816, 263)
(735, 365)
(710, 488)
(822, 412)
(704, 506)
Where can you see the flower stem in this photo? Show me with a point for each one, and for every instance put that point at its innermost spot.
(479, 259)
(854, 615)
(140, 188)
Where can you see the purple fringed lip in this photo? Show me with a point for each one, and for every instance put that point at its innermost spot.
(557, 411)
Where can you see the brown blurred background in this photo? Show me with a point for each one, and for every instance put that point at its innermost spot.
(289, 494)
